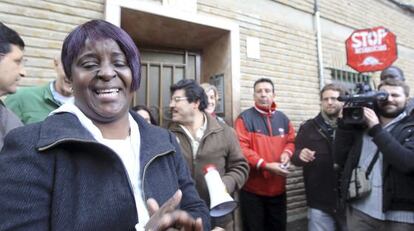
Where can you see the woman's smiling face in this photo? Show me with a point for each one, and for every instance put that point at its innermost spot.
(101, 81)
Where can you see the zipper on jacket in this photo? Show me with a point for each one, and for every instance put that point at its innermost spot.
(145, 170)
(92, 142)
(269, 125)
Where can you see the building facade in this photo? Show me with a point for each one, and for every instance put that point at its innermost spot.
(299, 44)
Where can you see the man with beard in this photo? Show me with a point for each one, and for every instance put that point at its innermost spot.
(387, 142)
(314, 152)
(394, 72)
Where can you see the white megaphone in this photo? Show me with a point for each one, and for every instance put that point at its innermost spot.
(221, 203)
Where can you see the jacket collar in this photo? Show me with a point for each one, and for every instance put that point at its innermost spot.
(212, 125)
(52, 133)
(266, 110)
(47, 93)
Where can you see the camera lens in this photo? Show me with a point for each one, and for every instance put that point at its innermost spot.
(357, 113)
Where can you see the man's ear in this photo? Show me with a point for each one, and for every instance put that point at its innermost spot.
(196, 104)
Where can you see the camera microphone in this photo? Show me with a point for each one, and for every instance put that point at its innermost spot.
(344, 98)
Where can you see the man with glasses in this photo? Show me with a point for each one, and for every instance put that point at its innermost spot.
(205, 141)
(314, 152)
(11, 70)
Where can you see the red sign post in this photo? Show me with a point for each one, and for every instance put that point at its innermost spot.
(371, 49)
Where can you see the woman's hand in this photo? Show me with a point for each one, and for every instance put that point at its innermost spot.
(169, 217)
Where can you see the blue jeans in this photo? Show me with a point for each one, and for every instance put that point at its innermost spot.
(321, 221)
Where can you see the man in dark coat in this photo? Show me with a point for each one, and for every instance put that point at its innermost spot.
(389, 135)
(314, 152)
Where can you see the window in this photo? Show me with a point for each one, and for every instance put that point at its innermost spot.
(349, 79)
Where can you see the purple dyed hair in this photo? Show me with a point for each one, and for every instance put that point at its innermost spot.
(101, 30)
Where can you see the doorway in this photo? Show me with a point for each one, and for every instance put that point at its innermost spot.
(159, 70)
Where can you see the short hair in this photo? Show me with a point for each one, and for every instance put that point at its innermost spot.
(332, 87)
(193, 92)
(101, 30)
(264, 80)
(8, 37)
(395, 83)
(145, 108)
(208, 87)
(385, 73)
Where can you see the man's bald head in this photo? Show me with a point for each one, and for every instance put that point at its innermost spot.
(392, 72)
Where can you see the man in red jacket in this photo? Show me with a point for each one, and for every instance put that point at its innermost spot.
(267, 137)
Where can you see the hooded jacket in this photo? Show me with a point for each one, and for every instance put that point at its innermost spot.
(56, 176)
(264, 136)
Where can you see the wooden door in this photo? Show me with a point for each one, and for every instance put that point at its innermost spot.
(160, 70)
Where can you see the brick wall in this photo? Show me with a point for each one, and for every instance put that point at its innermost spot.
(289, 55)
(43, 25)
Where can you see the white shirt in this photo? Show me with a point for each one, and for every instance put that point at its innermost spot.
(128, 151)
(195, 141)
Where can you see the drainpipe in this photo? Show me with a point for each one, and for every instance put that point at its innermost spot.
(319, 44)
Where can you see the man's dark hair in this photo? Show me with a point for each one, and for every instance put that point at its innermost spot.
(392, 72)
(264, 80)
(193, 92)
(333, 87)
(8, 37)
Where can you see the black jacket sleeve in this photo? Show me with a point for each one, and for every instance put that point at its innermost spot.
(400, 154)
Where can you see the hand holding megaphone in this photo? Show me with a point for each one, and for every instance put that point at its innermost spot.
(221, 203)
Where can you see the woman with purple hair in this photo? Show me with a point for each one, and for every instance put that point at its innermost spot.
(92, 164)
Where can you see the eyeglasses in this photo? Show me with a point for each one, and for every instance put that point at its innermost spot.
(178, 98)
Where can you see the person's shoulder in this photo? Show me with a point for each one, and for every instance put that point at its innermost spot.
(307, 122)
(281, 115)
(26, 133)
(31, 90)
(248, 112)
(25, 93)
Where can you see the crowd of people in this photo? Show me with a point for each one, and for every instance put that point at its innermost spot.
(76, 156)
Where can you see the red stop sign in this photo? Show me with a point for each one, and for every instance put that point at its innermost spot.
(371, 49)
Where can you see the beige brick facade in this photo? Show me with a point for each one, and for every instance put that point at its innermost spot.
(43, 26)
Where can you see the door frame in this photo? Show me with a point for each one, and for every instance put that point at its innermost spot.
(113, 15)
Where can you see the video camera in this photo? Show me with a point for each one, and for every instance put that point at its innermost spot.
(353, 112)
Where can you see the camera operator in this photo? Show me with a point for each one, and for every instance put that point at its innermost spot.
(390, 203)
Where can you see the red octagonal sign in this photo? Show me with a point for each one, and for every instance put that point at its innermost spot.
(371, 49)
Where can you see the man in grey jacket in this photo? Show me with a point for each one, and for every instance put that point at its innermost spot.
(11, 70)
